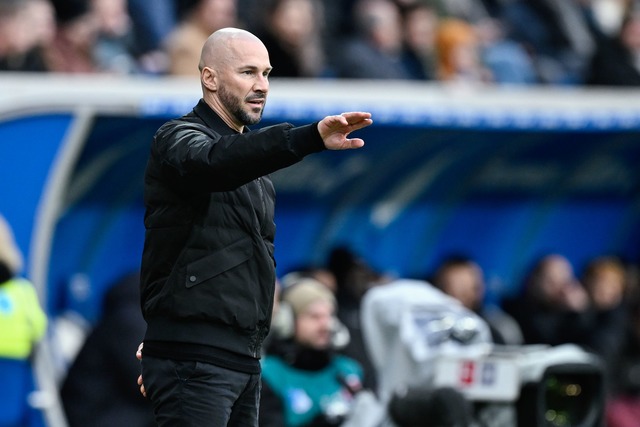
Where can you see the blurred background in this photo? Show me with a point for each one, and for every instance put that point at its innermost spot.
(504, 131)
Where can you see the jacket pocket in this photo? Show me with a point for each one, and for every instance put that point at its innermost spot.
(218, 262)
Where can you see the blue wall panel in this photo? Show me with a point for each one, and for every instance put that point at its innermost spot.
(28, 146)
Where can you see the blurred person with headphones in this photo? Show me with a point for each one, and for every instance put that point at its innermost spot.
(22, 324)
(305, 382)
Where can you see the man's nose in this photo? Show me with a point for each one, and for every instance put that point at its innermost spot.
(261, 84)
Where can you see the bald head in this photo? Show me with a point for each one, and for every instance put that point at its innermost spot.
(223, 47)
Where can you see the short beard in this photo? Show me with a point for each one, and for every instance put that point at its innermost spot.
(234, 106)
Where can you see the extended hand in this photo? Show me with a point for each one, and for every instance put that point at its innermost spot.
(335, 130)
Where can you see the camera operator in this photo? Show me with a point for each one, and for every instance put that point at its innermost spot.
(305, 383)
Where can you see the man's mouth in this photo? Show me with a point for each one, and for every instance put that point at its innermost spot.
(258, 102)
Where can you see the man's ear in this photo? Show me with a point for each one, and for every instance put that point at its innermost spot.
(209, 79)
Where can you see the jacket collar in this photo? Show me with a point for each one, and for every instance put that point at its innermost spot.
(212, 119)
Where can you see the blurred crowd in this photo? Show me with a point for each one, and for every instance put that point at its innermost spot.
(549, 42)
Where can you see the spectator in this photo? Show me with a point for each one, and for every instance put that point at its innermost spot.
(13, 34)
(152, 23)
(459, 55)
(198, 19)
(557, 36)
(114, 47)
(98, 390)
(420, 23)
(304, 382)
(338, 21)
(552, 308)
(507, 60)
(615, 62)
(375, 51)
(41, 19)
(604, 279)
(292, 32)
(77, 31)
(462, 278)
(23, 324)
(606, 16)
(25, 27)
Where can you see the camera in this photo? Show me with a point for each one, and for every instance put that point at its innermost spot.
(431, 353)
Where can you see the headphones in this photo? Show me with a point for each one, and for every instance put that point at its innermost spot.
(283, 325)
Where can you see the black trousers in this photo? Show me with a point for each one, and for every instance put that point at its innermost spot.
(196, 394)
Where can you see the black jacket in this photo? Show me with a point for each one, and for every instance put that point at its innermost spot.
(208, 272)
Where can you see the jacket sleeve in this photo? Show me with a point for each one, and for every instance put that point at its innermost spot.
(196, 157)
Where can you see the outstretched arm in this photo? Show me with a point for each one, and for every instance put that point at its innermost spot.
(335, 130)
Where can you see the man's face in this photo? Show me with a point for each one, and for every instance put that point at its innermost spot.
(216, 14)
(465, 284)
(244, 82)
(606, 288)
(557, 276)
(314, 325)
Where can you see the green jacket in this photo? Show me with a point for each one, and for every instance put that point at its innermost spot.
(22, 320)
(305, 395)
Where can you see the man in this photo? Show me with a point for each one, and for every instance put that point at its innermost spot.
(208, 273)
(305, 383)
(463, 279)
(552, 307)
(197, 20)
